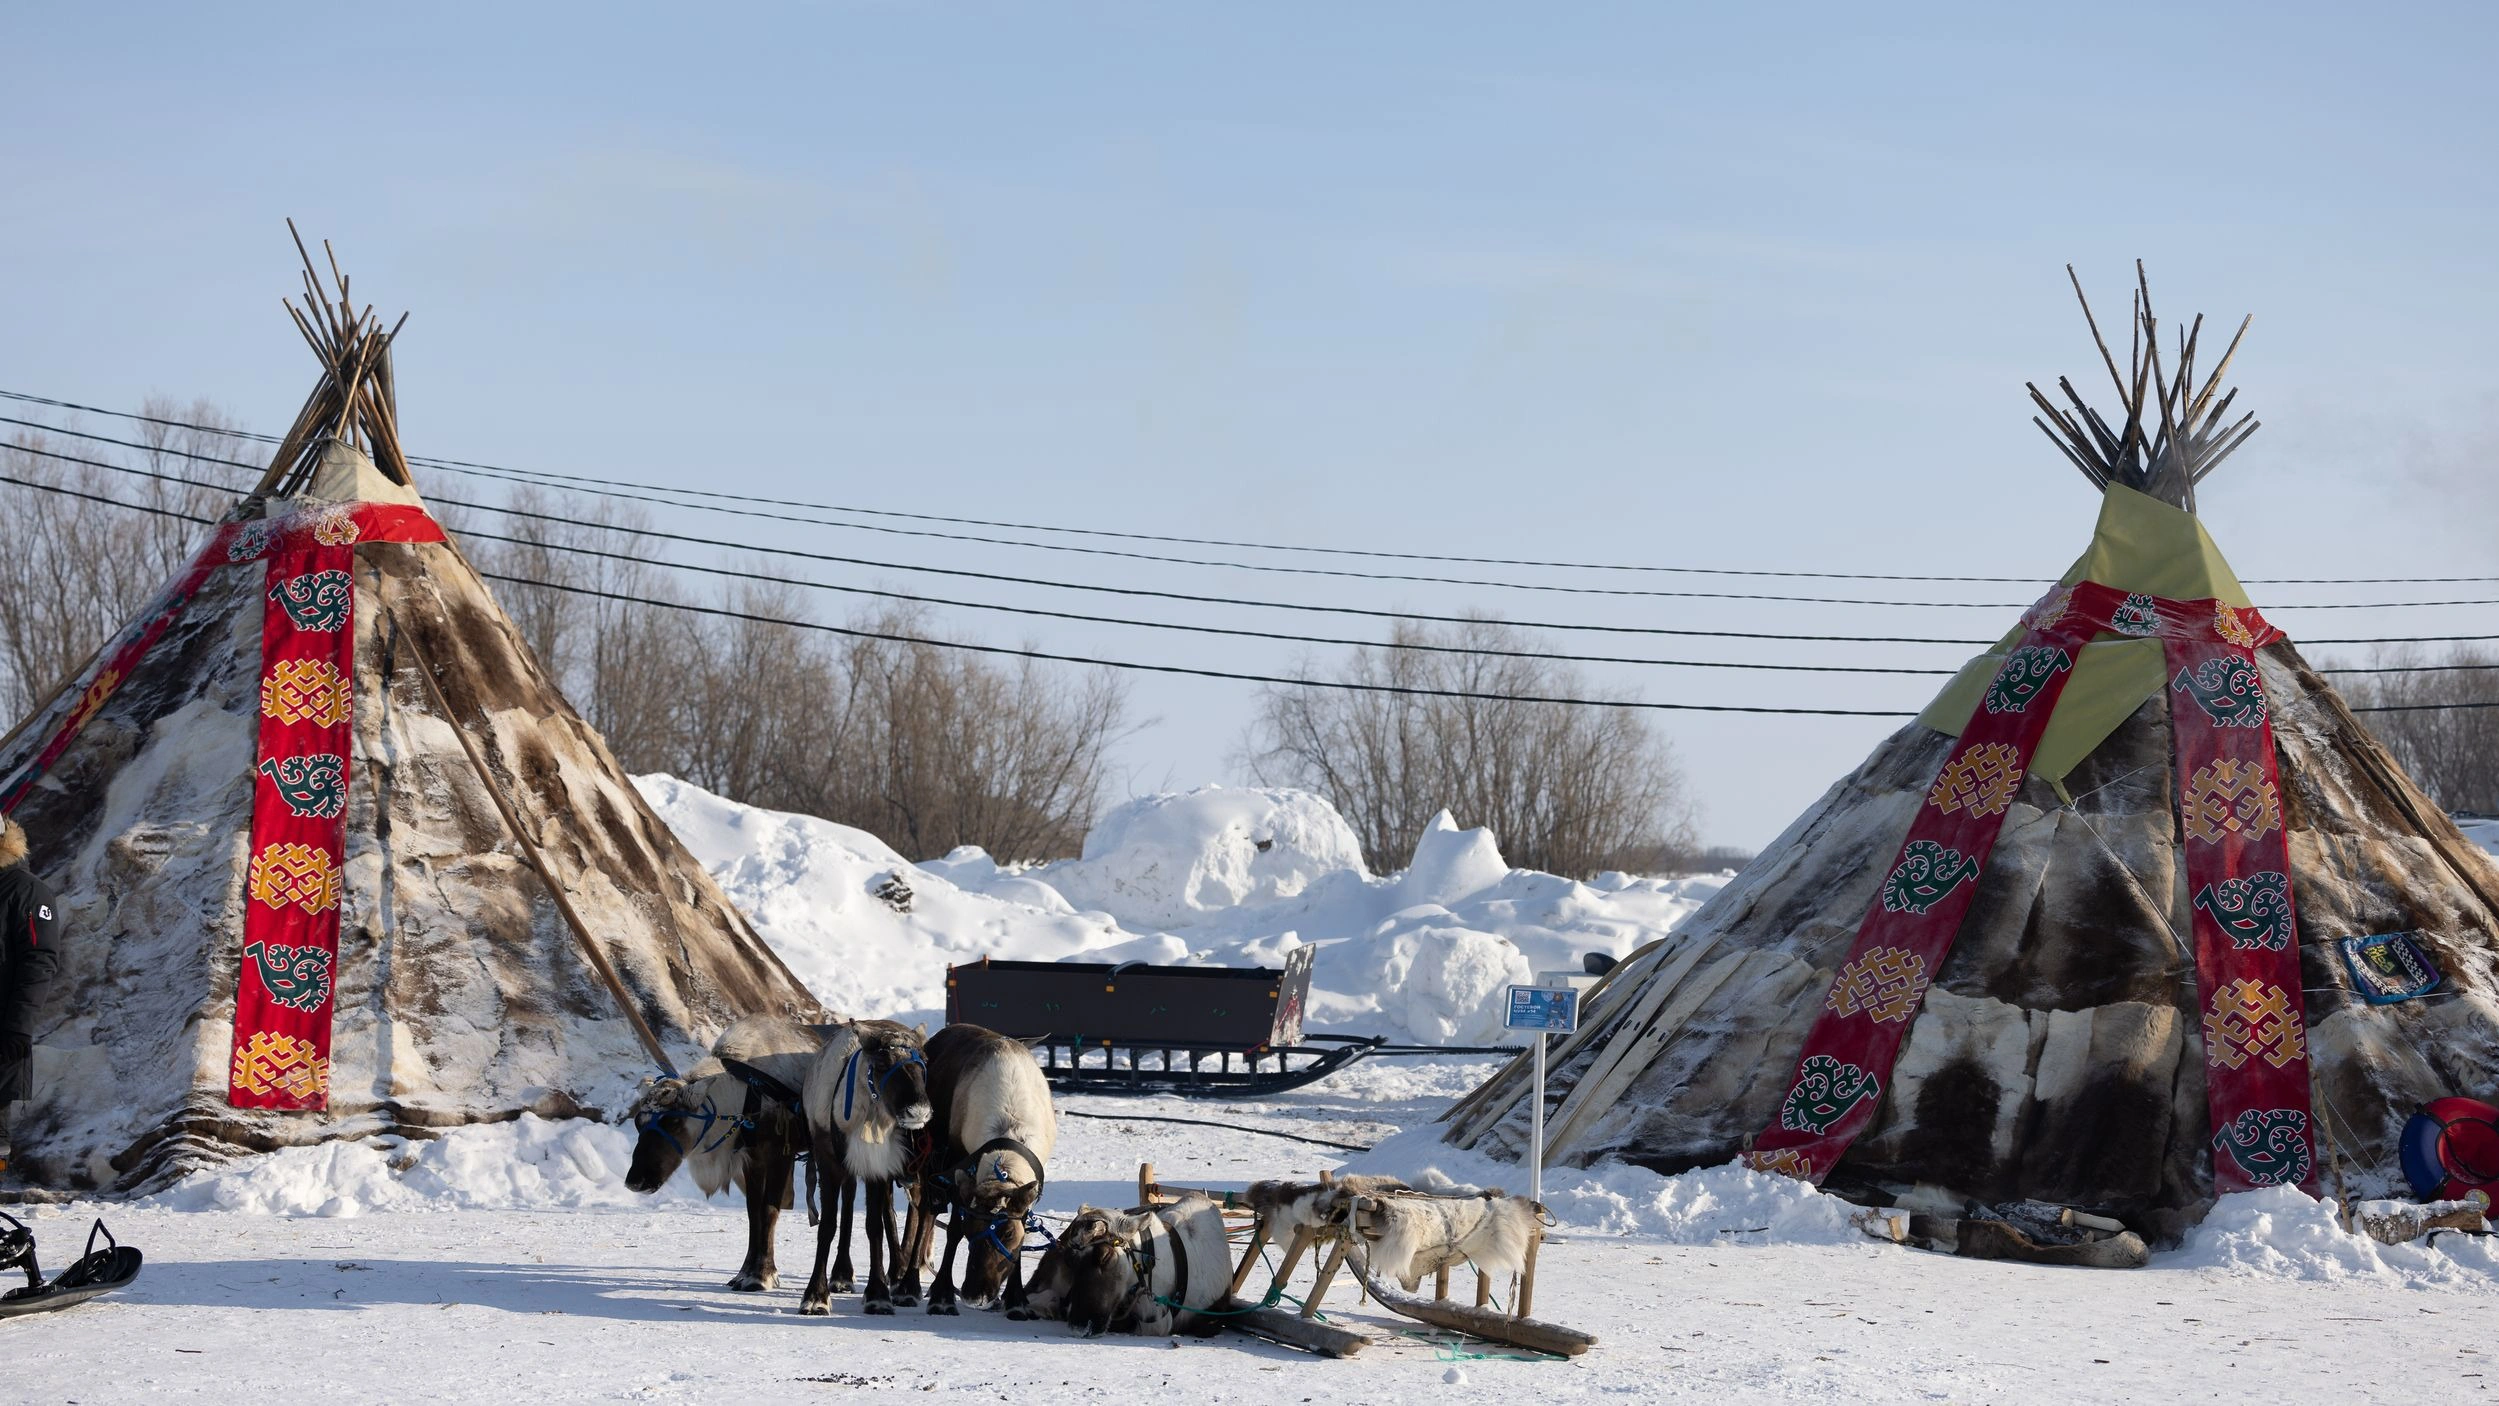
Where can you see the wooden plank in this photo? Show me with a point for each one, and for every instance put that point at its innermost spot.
(1592, 1097)
(1664, 996)
(1530, 1333)
(1642, 994)
(1277, 1326)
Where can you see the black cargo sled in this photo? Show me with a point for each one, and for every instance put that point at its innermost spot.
(1221, 1032)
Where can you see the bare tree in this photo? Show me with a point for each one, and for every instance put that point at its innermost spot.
(1573, 790)
(2453, 752)
(80, 564)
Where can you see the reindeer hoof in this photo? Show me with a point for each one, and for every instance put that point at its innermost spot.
(881, 1308)
(751, 1284)
(948, 1309)
(845, 1286)
(814, 1307)
(1021, 1315)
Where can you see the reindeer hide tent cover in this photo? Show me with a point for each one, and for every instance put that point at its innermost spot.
(2090, 1010)
(280, 811)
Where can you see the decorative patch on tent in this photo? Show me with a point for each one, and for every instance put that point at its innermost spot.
(1886, 983)
(2248, 1019)
(2268, 1147)
(1782, 1161)
(282, 1071)
(2026, 671)
(306, 691)
(95, 697)
(2389, 967)
(251, 539)
(2136, 615)
(1927, 872)
(299, 875)
(2050, 608)
(2232, 629)
(1826, 1091)
(2227, 688)
(314, 787)
(1982, 778)
(297, 978)
(2230, 797)
(335, 526)
(317, 600)
(2252, 912)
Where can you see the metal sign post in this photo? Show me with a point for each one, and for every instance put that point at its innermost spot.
(1543, 1009)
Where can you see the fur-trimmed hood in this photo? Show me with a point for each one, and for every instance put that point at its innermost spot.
(12, 843)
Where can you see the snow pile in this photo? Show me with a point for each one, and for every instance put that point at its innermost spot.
(527, 1164)
(2282, 1232)
(1173, 861)
(1233, 876)
(1707, 1206)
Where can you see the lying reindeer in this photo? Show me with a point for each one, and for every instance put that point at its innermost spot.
(995, 1130)
(866, 1095)
(740, 1128)
(1151, 1271)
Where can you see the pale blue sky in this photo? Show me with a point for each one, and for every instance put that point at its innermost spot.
(1624, 283)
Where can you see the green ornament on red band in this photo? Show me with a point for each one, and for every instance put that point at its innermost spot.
(2228, 689)
(297, 978)
(1827, 1090)
(2136, 615)
(314, 787)
(1926, 875)
(2026, 672)
(2269, 1145)
(317, 600)
(2254, 912)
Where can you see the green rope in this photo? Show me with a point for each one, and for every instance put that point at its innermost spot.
(1450, 1351)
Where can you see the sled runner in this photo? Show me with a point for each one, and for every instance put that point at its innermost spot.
(96, 1272)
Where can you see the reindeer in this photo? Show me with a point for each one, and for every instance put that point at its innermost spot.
(732, 1120)
(1148, 1271)
(995, 1130)
(865, 1096)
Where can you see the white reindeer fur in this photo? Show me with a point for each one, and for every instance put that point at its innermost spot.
(870, 1151)
(1422, 1234)
(1288, 1206)
(1005, 1097)
(1200, 1226)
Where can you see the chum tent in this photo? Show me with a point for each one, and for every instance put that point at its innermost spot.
(335, 856)
(2136, 912)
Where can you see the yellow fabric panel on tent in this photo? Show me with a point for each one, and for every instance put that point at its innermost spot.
(2141, 544)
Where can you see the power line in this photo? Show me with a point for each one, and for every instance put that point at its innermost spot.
(1213, 629)
(1328, 572)
(656, 534)
(605, 487)
(1343, 685)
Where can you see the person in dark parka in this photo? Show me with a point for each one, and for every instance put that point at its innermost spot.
(30, 953)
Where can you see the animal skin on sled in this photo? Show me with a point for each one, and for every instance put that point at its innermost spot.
(1420, 1234)
(1987, 1238)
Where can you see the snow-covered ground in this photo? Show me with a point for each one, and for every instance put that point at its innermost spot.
(510, 1261)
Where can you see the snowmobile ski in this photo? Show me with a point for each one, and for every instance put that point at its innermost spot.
(96, 1272)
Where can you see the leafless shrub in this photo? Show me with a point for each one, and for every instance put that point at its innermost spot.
(2452, 752)
(1572, 790)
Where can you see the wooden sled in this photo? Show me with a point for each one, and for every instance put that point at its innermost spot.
(1515, 1329)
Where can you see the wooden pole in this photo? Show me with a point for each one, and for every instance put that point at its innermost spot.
(529, 851)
